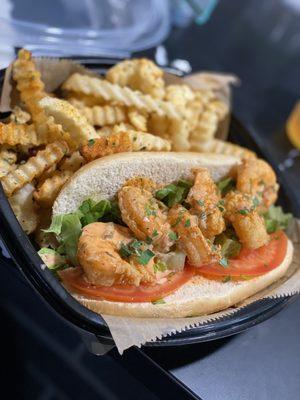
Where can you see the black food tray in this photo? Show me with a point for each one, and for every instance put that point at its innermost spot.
(42, 280)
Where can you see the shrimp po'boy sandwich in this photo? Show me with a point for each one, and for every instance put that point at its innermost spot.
(168, 234)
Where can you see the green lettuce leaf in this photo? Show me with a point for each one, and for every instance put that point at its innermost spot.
(276, 219)
(225, 185)
(52, 258)
(174, 193)
(230, 246)
(68, 227)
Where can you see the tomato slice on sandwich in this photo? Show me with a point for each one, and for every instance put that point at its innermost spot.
(74, 279)
(249, 263)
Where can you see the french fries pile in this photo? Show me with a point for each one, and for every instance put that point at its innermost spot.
(48, 136)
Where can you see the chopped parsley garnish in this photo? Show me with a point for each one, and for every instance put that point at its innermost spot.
(149, 240)
(225, 185)
(224, 262)
(136, 248)
(145, 257)
(173, 236)
(200, 202)
(245, 211)
(155, 233)
(160, 266)
(174, 193)
(187, 223)
(124, 251)
(159, 301)
(91, 142)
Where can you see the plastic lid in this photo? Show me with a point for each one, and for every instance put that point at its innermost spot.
(84, 27)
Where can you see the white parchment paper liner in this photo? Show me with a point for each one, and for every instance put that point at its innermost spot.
(127, 331)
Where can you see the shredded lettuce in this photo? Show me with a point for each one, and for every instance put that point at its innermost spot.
(276, 219)
(230, 246)
(174, 193)
(225, 185)
(52, 258)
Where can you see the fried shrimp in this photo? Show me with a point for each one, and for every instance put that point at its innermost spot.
(190, 238)
(142, 183)
(204, 200)
(141, 213)
(98, 255)
(256, 177)
(248, 224)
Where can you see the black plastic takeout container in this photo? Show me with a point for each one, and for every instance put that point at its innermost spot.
(29, 265)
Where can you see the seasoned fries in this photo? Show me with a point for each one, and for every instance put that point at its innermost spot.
(138, 74)
(14, 134)
(8, 159)
(47, 193)
(71, 120)
(121, 95)
(24, 208)
(101, 115)
(34, 167)
(220, 147)
(46, 138)
(29, 83)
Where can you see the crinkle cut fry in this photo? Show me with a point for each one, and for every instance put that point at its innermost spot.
(221, 147)
(138, 74)
(34, 167)
(123, 142)
(8, 158)
(29, 82)
(101, 115)
(121, 95)
(14, 134)
(48, 191)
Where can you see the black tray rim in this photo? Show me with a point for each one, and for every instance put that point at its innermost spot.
(52, 292)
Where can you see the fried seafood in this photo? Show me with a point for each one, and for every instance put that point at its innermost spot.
(205, 203)
(256, 177)
(142, 183)
(141, 213)
(123, 141)
(98, 254)
(249, 226)
(190, 238)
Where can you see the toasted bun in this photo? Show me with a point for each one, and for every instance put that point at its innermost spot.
(102, 179)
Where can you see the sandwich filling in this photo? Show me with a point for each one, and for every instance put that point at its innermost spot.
(151, 238)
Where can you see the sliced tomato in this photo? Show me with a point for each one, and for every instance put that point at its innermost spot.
(249, 263)
(74, 279)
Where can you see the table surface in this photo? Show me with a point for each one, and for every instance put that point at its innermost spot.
(259, 41)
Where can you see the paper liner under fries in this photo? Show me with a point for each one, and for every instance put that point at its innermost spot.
(127, 331)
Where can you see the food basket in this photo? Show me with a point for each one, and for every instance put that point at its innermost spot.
(27, 263)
